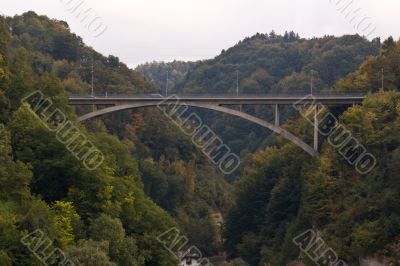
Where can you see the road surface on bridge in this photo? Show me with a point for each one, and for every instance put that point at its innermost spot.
(339, 99)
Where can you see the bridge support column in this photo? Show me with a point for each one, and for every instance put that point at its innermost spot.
(316, 128)
(241, 108)
(276, 115)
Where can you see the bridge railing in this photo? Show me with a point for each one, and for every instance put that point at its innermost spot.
(241, 96)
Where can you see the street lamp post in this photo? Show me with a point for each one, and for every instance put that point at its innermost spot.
(312, 81)
(92, 81)
(166, 85)
(237, 83)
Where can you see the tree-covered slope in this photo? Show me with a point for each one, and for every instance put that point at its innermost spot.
(112, 215)
(281, 64)
(43, 186)
(284, 192)
(53, 48)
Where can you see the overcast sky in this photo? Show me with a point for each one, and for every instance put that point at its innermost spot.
(138, 31)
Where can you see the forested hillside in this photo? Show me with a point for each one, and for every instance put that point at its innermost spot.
(280, 64)
(102, 213)
(284, 192)
(152, 177)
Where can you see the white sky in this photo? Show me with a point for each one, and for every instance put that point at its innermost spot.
(145, 30)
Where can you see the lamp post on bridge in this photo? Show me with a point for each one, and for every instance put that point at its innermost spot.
(237, 83)
(92, 81)
(312, 80)
(166, 85)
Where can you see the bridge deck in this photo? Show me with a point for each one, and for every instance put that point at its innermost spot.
(220, 100)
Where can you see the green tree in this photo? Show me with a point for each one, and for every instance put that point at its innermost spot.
(89, 252)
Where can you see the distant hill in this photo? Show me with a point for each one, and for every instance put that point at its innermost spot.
(266, 63)
(281, 64)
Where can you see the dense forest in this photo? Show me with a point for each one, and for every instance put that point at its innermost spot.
(283, 193)
(153, 178)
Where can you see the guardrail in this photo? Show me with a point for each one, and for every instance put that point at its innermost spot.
(218, 96)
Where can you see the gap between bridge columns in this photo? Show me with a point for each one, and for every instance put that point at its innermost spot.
(316, 128)
(210, 106)
(276, 115)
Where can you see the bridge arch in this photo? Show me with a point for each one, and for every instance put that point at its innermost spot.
(277, 129)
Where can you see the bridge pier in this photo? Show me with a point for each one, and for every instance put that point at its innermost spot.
(277, 115)
(316, 128)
